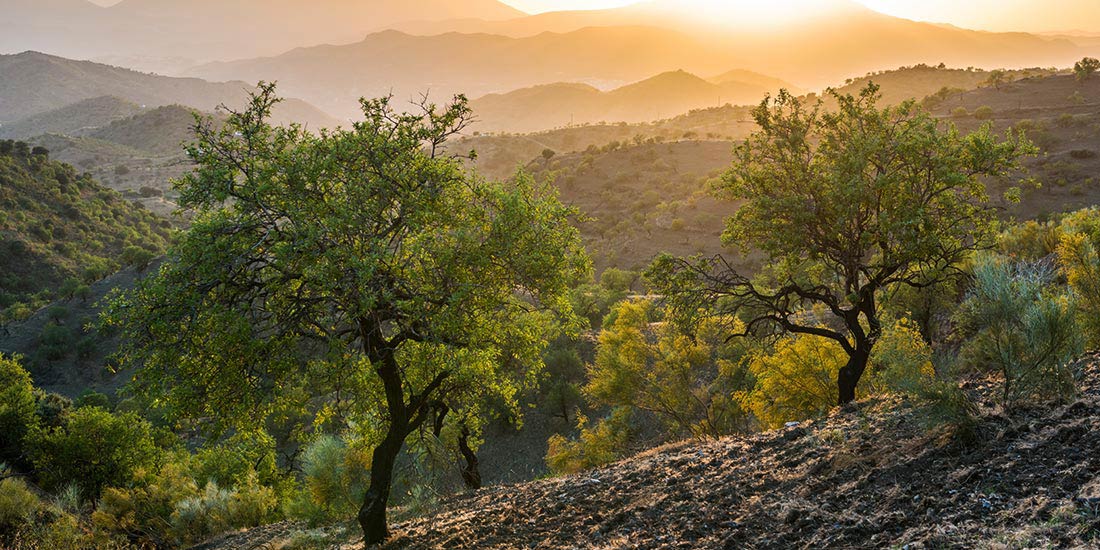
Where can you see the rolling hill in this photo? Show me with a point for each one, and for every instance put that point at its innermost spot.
(556, 105)
(57, 224)
(73, 119)
(33, 83)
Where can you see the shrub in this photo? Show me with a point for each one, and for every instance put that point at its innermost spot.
(598, 445)
(1079, 260)
(143, 511)
(52, 409)
(215, 511)
(235, 461)
(796, 381)
(17, 408)
(92, 398)
(901, 361)
(335, 477)
(984, 112)
(960, 112)
(1085, 68)
(55, 341)
(94, 449)
(1022, 326)
(685, 380)
(18, 505)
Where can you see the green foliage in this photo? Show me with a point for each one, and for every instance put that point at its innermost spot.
(18, 506)
(408, 280)
(984, 112)
(235, 461)
(92, 398)
(143, 510)
(61, 228)
(17, 408)
(1085, 68)
(93, 449)
(847, 204)
(52, 409)
(1079, 235)
(215, 511)
(1020, 324)
(796, 381)
(901, 362)
(686, 380)
(334, 480)
(605, 442)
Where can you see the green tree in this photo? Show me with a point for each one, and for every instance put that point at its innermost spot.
(94, 449)
(17, 408)
(847, 205)
(362, 266)
(1085, 68)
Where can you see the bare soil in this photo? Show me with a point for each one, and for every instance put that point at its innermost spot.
(870, 475)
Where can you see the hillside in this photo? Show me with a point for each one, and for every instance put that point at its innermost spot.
(73, 119)
(57, 225)
(821, 52)
(161, 131)
(645, 185)
(558, 105)
(33, 83)
(870, 475)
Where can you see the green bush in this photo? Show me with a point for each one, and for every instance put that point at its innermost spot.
(1021, 324)
(18, 506)
(215, 511)
(795, 381)
(93, 449)
(335, 477)
(984, 112)
(17, 408)
(143, 510)
(597, 445)
(52, 409)
(237, 460)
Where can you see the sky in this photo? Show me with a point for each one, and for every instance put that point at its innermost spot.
(993, 15)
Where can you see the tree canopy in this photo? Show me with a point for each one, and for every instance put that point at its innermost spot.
(846, 203)
(360, 278)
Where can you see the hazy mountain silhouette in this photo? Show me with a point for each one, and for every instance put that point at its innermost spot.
(671, 93)
(204, 30)
(818, 53)
(33, 83)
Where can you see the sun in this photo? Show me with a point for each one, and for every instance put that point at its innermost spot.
(753, 12)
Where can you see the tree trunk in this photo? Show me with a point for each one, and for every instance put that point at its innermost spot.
(372, 515)
(848, 378)
(471, 475)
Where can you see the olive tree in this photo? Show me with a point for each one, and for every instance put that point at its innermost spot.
(846, 204)
(361, 274)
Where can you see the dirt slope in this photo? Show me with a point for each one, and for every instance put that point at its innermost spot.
(868, 476)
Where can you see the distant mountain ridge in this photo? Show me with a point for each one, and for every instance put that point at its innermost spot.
(334, 77)
(33, 84)
(205, 30)
(556, 105)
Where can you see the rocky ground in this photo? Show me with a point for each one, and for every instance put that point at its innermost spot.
(869, 476)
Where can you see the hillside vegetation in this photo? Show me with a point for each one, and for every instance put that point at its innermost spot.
(61, 230)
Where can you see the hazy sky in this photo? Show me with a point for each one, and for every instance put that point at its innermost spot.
(997, 15)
